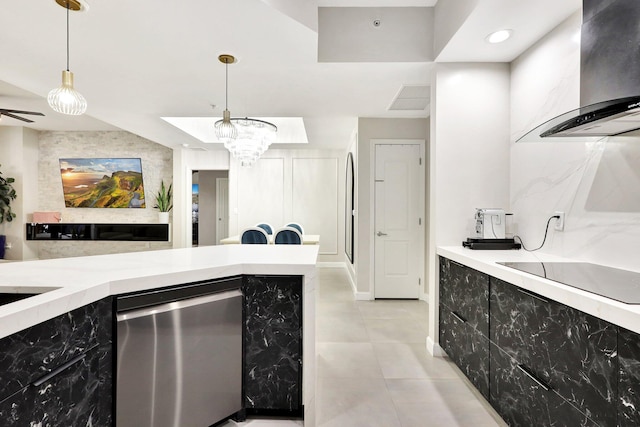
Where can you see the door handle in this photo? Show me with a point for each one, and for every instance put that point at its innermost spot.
(380, 233)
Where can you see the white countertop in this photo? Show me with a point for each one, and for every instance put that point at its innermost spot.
(618, 313)
(83, 280)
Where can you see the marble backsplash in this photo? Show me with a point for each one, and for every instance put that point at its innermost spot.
(596, 184)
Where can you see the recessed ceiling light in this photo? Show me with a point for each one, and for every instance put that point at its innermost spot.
(499, 36)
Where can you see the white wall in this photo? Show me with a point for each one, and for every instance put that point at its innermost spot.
(370, 129)
(469, 156)
(19, 160)
(596, 185)
(305, 186)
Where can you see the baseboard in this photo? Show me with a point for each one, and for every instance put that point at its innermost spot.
(331, 265)
(362, 296)
(434, 349)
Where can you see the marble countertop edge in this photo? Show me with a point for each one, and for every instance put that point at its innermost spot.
(616, 312)
(76, 282)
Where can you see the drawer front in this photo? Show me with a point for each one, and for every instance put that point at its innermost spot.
(465, 291)
(34, 352)
(629, 385)
(522, 401)
(573, 352)
(467, 348)
(80, 395)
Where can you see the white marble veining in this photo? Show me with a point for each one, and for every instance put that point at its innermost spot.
(618, 313)
(596, 184)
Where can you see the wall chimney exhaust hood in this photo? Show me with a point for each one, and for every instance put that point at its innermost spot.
(590, 123)
(609, 77)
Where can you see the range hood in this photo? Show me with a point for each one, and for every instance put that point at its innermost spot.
(609, 77)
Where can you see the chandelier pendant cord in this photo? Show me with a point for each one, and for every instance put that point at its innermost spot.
(67, 35)
(226, 84)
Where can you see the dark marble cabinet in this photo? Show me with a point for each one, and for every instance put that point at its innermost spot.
(570, 352)
(524, 402)
(540, 363)
(273, 344)
(629, 385)
(466, 292)
(59, 372)
(464, 321)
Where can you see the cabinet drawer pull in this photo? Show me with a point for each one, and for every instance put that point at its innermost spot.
(530, 374)
(532, 295)
(43, 379)
(457, 316)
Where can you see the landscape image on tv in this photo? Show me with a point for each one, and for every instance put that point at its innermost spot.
(102, 183)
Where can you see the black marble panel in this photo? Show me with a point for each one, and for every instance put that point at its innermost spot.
(467, 348)
(571, 351)
(34, 352)
(520, 401)
(629, 385)
(273, 342)
(466, 292)
(81, 395)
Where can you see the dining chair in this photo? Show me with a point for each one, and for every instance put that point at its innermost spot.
(296, 226)
(288, 236)
(254, 236)
(266, 227)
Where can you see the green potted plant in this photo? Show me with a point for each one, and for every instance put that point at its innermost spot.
(163, 202)
(7, 194)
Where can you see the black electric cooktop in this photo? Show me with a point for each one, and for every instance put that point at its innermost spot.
(620, 285)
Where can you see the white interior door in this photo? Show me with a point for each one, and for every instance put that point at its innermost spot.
(397, 221)
(222, 209)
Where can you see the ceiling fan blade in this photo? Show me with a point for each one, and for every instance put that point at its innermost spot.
(35, 113)
(4, 113)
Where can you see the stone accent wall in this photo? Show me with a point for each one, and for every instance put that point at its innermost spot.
(157, 164)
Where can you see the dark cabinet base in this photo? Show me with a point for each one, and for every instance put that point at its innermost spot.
(468, 349)
(273, 345)
(629, 384)
(521, 401)
(79, 396)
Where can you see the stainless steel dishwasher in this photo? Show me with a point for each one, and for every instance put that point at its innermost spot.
(179, 361)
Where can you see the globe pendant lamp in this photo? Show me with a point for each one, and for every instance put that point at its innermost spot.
(65, 99)
(246, 139)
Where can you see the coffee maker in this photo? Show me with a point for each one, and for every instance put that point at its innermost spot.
(490, 231)
(490, 223)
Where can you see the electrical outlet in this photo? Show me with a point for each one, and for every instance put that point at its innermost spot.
(559, 221)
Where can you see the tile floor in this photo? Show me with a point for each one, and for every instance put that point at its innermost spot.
(374, 371)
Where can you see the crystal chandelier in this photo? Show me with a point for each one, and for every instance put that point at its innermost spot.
(246, 139)
(65, 99)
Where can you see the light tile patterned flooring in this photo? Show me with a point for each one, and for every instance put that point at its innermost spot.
(374, 370)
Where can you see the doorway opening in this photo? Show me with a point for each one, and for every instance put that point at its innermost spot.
(209, 207)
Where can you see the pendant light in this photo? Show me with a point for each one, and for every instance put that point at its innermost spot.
(225, 130)
(246, 139)
(65, 99)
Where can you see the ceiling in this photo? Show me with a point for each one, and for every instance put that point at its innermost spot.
(138, 61)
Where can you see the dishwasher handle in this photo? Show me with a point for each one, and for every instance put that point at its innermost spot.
(177, 305)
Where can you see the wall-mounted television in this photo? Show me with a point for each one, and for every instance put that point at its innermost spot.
(102, 183)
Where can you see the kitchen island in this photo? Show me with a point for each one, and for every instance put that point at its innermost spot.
(541, 352)
(75, 295)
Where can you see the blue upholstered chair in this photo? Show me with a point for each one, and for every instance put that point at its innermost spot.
(296, 226)
(254, 236)
(266, 227)
(288, 236)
